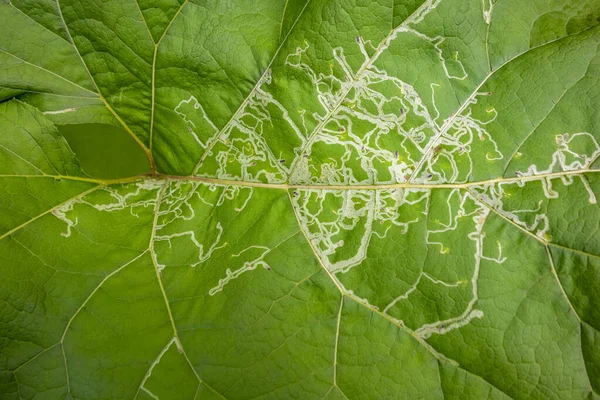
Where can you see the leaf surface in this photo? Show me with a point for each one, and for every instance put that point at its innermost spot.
(299, 199)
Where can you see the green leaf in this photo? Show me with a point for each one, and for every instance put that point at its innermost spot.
(299, 199)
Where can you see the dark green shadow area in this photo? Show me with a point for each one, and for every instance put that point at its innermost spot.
(105, 151)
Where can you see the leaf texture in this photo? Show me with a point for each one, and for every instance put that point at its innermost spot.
(299, 199)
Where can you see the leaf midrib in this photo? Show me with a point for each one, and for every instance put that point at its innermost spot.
(286, 186)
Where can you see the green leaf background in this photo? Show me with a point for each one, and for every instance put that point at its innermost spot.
(299, 199)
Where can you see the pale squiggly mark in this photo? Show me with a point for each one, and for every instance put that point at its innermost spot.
(177, 205)
(61, 213)
(478, 216)
(331, 90)
(242, 152)
(366, 102)
(565, 158)
(233, 192)
(180, 203)
(444, 326)
(121, 202)
(453, 142)
(370, 209)
(436, 43)
(487, 10)
(493, 195)
(193, 102)
(410, 290)
(347, 219)
(248, 266)
(63, 111)
(374, 213)
(352, 97)
(177, 200)
(241, 147)
(202, 254)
